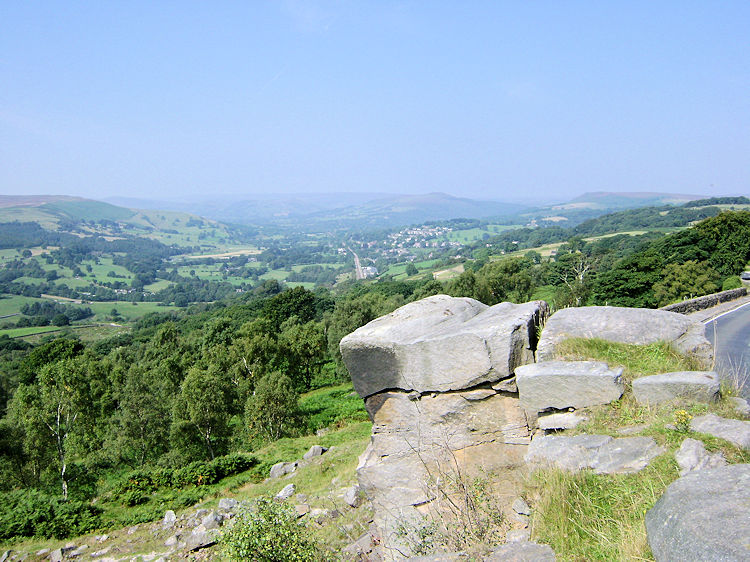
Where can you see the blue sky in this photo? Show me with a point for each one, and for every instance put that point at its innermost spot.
(508, 100)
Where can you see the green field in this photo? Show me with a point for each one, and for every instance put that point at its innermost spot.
(11, 304)
(20, 332)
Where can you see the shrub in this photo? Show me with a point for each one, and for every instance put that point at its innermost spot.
(270, 533)
(36, 514)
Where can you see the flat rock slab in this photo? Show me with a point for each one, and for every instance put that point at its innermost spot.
(703, 516)
(638, 326)
(442, 343)
(521, 552)
(567, 384)
(698, 386)
(692, 456)
(602, 453)
(734, 431)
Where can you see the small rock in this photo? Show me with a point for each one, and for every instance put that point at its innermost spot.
(172, 541)
(101, 552)
(281, 468)
(522, 519)
(506, 385)
(521, 552)
(227, 503)
(520, 506)
(518, 535)
(734, 431)
(352, 496)
(42, 552)
(5, 555)
(133, 530)
(301, 498)
(212, 521)
(698, 386)
(740, 405)
(286, 492)
(169, 518)
(56, 555)
(692, 456)
(315, 451)
(203, 539)
(302, 509)
(78, 551)
(323, 431)
(567, 420)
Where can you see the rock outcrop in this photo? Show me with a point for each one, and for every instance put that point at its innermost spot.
(697, 386)
(625, 325)
(703, 516)
(426, 372)
(442, 343)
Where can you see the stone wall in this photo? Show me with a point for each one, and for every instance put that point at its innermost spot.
(701, 303)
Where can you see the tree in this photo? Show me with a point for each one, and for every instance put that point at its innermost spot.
(411, 269)
(272, 410)
(691, 279)
(206, 403)
(303, 346)
(51, 411)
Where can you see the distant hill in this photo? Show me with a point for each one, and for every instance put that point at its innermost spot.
(89, 217)
(626, 200)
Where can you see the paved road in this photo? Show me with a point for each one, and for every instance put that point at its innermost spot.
(730, 334)
(358, 273)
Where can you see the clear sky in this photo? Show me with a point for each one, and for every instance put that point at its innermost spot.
(502, 99)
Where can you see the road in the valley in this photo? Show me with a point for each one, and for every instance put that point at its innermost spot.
(358, 273)
(730, 334)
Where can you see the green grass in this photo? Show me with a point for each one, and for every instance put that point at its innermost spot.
(638, 360)
(21, 332)
(332, 406)
(11, 304)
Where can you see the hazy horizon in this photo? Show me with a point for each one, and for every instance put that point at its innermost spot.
(533, 102)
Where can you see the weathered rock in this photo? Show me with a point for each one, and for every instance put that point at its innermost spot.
(78, 551)
(441, 557)
(56, 555)
(565, 420)
(315, 451)
(521, 552)
(567, 384)
(352, 496)
(518, 535)
(132, 530)
(282, 468)
(201, 539)
(365, 547)
(698, 386)
(520, 506)
(286, 492)
(692, 455)
(703, 516)
(601, 453)
(169, 518)
(39, 553)
(228, 504)
(302, 509)
(5, 555)
(442, 343)
(172, 541)
(212, 521)
(740, 405)
(104, 551)
(625, 325)
(734, 431)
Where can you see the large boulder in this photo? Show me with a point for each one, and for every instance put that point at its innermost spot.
(698, 386)
(703, 516)
(567, 384)
(442, 343)
(639, 326)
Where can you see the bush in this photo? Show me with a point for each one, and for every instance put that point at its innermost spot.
(732, 282)
(36, 514)
(270, 533)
